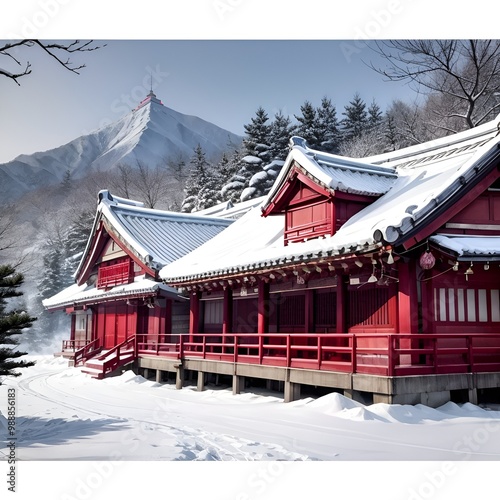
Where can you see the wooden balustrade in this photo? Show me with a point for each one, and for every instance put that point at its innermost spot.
(368, 353)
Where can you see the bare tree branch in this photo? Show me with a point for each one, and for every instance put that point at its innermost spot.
(53, 50)
(465, 73)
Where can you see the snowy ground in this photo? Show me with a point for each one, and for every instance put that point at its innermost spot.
(64, 415)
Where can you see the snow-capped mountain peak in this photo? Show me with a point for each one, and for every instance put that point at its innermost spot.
(151, 133)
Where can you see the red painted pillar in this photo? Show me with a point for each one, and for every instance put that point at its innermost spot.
(341, 316)
(407, 298)
(73, 323)
(407, 313)
(227, 314)
(263, 308)
(309, 313)
(194, 314)
(168, 316)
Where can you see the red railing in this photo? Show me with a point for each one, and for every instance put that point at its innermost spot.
(117, 274)
(123, 353)
(88, 351)
(152, 344)
(368, 353)
(119, 355)
(73, 345)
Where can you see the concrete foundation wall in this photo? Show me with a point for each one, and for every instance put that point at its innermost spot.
(431, 390)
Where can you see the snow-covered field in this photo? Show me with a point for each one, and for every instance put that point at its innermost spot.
(104, 433)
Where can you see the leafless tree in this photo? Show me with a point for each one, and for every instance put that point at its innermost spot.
(177, 167)
(411, 124)
(368, 143)
(151, 184)
(7, 224)
(125, 179)
(59, 51)
(462, 77)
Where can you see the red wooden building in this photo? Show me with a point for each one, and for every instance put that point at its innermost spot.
(379, 277)
(118, 293)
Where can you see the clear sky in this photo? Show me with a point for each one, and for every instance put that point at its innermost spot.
(223, 81)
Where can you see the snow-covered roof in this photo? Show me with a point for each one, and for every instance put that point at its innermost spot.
(157, 237)
(227, 210)
(89, 294)
(418, 181)
(334, 172)
(469, 247)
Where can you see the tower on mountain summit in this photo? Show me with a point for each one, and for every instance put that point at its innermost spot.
(151, 97)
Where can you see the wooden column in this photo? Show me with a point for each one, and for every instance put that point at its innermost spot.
(407, 308)
(309, 312)
(194, 313)
(227, 314)
(263, 308)
(407, 298)
(341, 321)
(168, 316)
(72, 327)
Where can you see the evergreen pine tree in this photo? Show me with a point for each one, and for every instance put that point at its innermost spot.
(256, 151)
(356, 118)
(329, 136)
(308, 125)
(202, 186)
(66, 182)
(233, 183)
(375, 116)
(75, 239)
(210, 192)
(248, 166)
(391, 134)
(261, 182)
(258, 133)
(53, 280)
(281, 131)
(12, 323)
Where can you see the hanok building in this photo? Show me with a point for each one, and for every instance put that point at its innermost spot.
(118, 295)
(379, 277)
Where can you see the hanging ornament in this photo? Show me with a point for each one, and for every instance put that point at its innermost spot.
(427, 260)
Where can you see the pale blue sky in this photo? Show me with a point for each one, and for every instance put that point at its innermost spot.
(222, 80)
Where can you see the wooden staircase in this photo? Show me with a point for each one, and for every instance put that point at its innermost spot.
(109, 361)
(77, 355)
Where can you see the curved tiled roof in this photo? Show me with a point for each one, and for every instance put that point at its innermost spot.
(413, 185)
(157, 237)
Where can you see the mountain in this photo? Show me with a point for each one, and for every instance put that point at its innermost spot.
(150, 133)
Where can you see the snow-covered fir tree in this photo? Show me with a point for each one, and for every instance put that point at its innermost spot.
(261, 182)
(258, 135)
(231, 184)
(256, 153)
(60, 256)
(248, 166)
(329, 136)
(356, 118)
(281, 131)
(13, 321)
(375, 115)
(391, 134)
(202, 186)
(308, 126)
